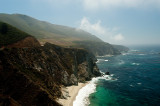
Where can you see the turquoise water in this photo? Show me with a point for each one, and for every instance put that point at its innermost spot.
(135, 79)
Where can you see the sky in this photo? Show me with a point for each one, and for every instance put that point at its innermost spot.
(126, 22)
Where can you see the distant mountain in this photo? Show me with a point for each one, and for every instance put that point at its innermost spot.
(121, 48)
(13, 37)
(98, 48)
(58, 34)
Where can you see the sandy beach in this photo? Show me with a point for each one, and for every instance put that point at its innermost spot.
(72, 93)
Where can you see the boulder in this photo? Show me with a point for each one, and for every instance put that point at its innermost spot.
(107, 73)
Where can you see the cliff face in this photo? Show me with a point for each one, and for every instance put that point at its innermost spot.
(34, 76)
(98, 48)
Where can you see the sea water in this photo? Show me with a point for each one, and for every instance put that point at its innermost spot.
(134, 80)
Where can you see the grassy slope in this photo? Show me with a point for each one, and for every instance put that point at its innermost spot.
(45, 31)
(10, 34)
(58, 34)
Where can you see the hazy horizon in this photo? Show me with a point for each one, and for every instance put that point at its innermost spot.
(116, 22)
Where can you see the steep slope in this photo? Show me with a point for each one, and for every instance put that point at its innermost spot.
(44, 30)
(58, 34)
(13, 37)
(98, 48)
(34, 76)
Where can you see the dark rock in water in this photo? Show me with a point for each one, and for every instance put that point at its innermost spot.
(113, 78)
(102, 74)
(107, 73)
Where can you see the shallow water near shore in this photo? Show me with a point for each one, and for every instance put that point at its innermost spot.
(134, 79)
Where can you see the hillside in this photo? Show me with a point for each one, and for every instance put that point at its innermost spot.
(45, 31)
(13, 37)
(9, 34)
(58, 34)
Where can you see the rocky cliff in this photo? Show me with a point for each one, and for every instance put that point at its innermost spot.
(26, 42)
(34, 76)
(98, 48)
(121, 48)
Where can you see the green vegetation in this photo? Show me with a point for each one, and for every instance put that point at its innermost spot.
(45, 30)
(10, 34)
(58, 34)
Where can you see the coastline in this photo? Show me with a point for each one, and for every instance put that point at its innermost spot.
(71, 92)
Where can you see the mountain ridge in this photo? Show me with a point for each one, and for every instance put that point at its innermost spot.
(59, 35)
(27, 23)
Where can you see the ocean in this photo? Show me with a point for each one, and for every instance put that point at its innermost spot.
(134, 80)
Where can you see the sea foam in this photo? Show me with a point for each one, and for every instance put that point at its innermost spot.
(106, 60)
(125, 54)
(136, 64)
(99, 60)
(83, 94)
(82, 99)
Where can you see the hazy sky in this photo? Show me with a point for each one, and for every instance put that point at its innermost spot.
(114, 21)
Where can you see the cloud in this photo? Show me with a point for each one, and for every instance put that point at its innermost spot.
(106, 34)
(118, 37)
(95, 28)
(106, 4)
